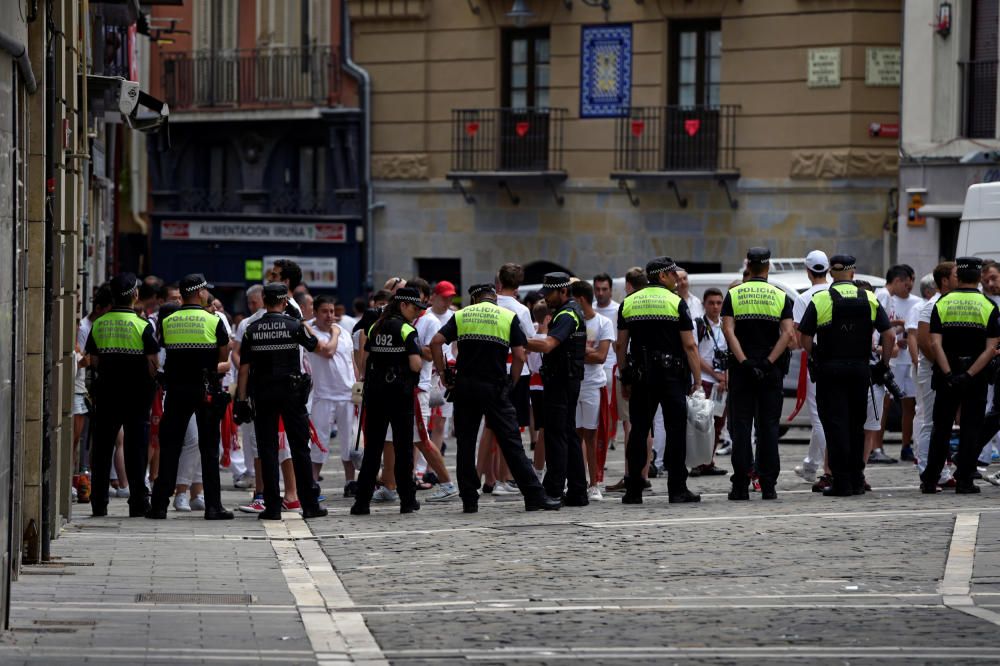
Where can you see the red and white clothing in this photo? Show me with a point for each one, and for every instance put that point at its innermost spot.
(333, 381)
(590, 404)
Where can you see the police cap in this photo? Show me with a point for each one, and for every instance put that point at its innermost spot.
(409, 295)
(969, 264)
(477, 289)
(124, 284)
(758, 256)
(194, 282)
(660, 265)
(842, 262)
(555, 281)
(275, 291)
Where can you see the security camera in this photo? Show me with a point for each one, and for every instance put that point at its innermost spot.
(128, 97)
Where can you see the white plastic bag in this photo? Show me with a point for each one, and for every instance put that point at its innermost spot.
(700, 430)
(718, 401)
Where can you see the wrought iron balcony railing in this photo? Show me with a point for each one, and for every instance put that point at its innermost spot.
(676, 140)
(266, 77)
(979, 99)
(506, 141)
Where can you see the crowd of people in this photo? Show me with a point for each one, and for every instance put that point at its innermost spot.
(171, 389)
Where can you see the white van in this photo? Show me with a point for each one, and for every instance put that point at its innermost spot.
(792, 283)
(979, 233)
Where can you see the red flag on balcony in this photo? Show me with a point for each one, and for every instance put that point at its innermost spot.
(692, 125)
(471, 128)
(637, 127)
(522, 128)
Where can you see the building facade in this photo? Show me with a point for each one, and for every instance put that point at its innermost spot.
(594, 135)
(949, 121)
(265, 156)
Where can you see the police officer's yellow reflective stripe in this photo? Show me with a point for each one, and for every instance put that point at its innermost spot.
(407, 331)
(756, 299)
(964, 308)
(486, 322)
(190, 329)
(119, 333)
(651, 303)
(823, 302)
(570, 313)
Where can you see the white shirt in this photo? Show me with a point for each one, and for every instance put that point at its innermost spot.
(523, 320)
(599, 328)
(923, 315)
(706, 346)
(449, 350)
(348, 322)
(695, 306)
(427, 327)
(899, 308)
(803, 300)
(611, 312)
(82, 333)
(333, 378)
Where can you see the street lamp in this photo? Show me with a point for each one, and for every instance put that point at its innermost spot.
(520, 13)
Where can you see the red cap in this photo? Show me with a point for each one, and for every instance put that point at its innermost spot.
(445, 288)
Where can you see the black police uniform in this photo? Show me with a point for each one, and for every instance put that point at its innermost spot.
(122, 342)
(485, 332)
(389, 385)
(846, 315)
(562, 372)
(658, 376)
(192, 337)
(755, 386)
(965, 319)
(270, 347)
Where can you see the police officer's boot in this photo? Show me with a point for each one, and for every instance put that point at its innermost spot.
(739, 493)
(358, 509)
(768, 493)
(409, 507)
(684, 497)
(218, 513)
(318, 512)
(543, 503)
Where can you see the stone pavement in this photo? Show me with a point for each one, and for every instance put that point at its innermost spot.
(890, 575)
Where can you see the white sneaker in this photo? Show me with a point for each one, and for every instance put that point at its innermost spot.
(181, 502)
(724, 449)
(246, 480)
(383, 494)
(993, 478)
(444, 492)
(123, 493)
(807, 473)
(594, 494)
(198, 503)
(504, 488)
(356, 457)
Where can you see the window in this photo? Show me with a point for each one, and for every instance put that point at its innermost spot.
(696, 63)
(526, 69)
(215, 41)
(980, 72)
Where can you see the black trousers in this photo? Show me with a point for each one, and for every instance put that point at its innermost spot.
(564, 466)
(971, 398)
(474, 400)
(180, 403)
(291, 409)
(842, 402)
(757, 402)
(671, 396)
(387, 404)
(121, 406)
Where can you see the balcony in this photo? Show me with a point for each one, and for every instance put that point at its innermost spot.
(252, 79)
(979, 99)
(507, 146)
(674, 143)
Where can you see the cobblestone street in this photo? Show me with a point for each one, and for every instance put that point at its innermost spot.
(890, 575)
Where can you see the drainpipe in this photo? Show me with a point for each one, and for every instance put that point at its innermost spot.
(18, 51)
(364, 80)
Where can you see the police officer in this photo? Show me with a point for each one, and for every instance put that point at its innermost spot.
(658, 355)
(393, 366)
(197, 346)
(964, 332)
(757, 323)
(846, 315)
(270, 373)
(563, 350)
(124, 351)
(485, 332)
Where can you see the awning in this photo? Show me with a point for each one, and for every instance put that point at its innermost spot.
(941, 210)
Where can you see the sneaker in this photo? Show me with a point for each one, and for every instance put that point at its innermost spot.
(594, 494)
(444, 492)
(198, 503)
(724, 449)
(255, 506)
(993, 478)
(822, 483)
(906, 453)
(805, 472)
(182, 503)
(123, 493)
(879, 457)
(294, 505)
(383, 494)
(246, 480)
(504, 488)
(616, 487)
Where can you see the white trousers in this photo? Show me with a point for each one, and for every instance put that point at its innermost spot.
(923, 420)
(659, 437)
(189, 466)
(817, 440)
(325, 414)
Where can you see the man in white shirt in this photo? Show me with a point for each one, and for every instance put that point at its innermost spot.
(591, 412)
(608, 307)
(817, 268)
(713, 350)
(441, 300)
(897, 301)
(333, 375)
(684, 291)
